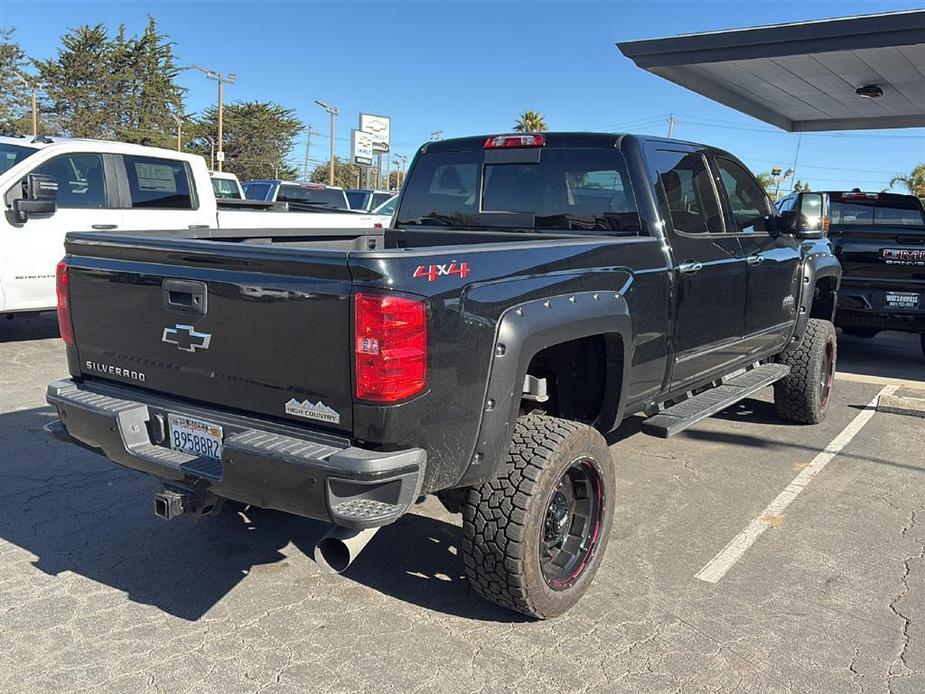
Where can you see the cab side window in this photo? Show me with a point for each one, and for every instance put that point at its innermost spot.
(81, 180)
(158, 183)
(688, 196)
(747, 201)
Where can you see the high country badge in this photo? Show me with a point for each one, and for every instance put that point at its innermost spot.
(317, 410)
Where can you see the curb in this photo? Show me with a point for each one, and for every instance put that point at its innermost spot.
(898, 404)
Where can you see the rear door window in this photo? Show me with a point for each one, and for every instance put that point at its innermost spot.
(158, 183)
(688, 195)
(748, 202)
(81, 180)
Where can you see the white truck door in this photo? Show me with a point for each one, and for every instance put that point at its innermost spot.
(29, 251)
(164, 194)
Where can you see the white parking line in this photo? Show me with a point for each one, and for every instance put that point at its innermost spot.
(717, 567)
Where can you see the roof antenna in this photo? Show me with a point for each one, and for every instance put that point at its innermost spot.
(42, 139)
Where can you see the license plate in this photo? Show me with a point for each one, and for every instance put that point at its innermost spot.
(902, 300)
(195, 437)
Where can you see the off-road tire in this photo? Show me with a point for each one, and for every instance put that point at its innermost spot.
(801, 396)
(504, 520)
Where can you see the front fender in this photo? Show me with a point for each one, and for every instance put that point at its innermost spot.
(523, 331)
(816, 266)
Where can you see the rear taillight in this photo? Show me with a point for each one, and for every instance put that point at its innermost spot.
(506, 141)
(391, 347)
(62, 289)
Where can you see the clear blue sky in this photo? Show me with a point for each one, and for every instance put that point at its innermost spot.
(471, 67)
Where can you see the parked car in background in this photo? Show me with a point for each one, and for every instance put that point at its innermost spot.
(367, 199)
(879, 238)
(302, 197)
(226, 186)
(50, 186)
(535, 290)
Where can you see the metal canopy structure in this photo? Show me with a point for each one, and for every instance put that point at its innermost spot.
(804, 76)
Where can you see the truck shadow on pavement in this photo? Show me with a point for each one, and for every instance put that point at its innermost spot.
(21, 329)
(76, 512)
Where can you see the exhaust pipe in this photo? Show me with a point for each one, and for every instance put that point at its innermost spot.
(337, 550)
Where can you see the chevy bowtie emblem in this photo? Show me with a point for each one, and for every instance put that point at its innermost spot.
(186, 338)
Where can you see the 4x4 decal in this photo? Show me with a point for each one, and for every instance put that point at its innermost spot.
(432, 272)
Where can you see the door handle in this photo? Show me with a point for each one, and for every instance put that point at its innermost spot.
(755, 259)
(104, 227)
(690, 268)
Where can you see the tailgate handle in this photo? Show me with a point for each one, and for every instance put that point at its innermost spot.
(185, 296)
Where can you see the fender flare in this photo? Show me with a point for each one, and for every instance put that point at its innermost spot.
(523, 331)
(816, 267)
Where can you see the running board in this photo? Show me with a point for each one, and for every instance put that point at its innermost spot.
(682, 415)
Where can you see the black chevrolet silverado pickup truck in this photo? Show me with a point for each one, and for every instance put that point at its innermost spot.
(880, 240)
(533, 291)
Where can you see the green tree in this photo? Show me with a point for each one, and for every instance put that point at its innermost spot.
(259, 136)
(152, 95)
(345, 173)
(914, 181)
(530, 122)
(79, 84)
(120, 88)
(13, 92)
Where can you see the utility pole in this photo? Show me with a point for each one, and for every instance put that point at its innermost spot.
(671, 121)
(436, 135)
(308, 142)
(33, 85)
(333, 111)
(221, 78)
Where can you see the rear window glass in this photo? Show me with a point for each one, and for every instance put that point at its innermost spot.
(225, 189)
(888, 213)
(316, 197)
(568, 189)
(258, 191)
(357, 199)
(158, 183)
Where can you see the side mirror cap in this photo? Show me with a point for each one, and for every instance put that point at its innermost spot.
(41, 197)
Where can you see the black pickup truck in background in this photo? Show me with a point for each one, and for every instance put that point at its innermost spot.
(534, 291)
(880, 240)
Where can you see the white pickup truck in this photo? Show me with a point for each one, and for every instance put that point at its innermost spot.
(50, 186)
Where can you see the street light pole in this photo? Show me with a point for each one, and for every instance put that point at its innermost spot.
(179, 121)
(308, 142)
(221, 78)
(333, 111)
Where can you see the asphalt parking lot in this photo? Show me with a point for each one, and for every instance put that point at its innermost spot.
(97, 595)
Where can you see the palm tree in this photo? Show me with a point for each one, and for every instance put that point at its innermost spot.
(530, 122)
(914, 181)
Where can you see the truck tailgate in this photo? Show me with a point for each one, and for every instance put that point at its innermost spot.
(264, 328)
(893, 257)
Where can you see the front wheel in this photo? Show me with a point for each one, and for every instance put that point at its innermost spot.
(803, 395)
(534, 537)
